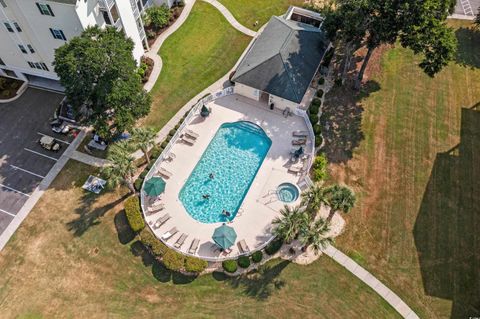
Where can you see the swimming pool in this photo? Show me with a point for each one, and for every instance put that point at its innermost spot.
(224, 173)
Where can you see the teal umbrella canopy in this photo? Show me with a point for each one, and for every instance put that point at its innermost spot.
(224, 236)
(154, 186)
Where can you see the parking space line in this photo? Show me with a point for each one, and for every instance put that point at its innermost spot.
(4, 211)
(34, 152)
(26, 171)
(57, 139)
(14, 190)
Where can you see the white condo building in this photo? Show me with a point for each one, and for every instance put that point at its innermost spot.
(30, 31)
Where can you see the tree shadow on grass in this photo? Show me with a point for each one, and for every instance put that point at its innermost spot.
(446, 229)
(262, 283)
(124, 231)
(162, 274)
(341, 121)
(88, 217)
(468, 47)
(139, 250)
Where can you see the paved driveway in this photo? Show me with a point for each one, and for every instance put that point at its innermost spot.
(23, 162)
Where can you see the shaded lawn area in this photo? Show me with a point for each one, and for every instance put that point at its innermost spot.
(203, 50)
(75, 257)
(248, 11)
(406, 229)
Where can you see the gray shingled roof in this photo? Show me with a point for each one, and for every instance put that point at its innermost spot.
(283, 59)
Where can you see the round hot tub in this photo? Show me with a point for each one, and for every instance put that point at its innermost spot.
(287, 192)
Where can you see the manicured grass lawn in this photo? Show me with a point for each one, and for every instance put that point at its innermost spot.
(203, 50)
(408, 228)
(248, 11)
(74, 257)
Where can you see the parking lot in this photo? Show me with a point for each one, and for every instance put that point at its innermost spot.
(467, 7)
(23, 162)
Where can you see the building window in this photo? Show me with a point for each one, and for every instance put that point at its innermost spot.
(2, 2)
(30, 48)
(44, 66)
(106, 17)
(58, 34)
(17, 27)
(1, 62)
(22, 48)
(44, 9)
(31, 65)
(8, 26)
(37, 65)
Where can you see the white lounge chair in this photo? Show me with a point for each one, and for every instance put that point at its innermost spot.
(193, 246)
(242, 245)
(169, 234)
(162, 220)
(170, 156)
(192, 134)
(180, 240)
(300, 141)
(187, 139)
(162, 171)
(300, 133)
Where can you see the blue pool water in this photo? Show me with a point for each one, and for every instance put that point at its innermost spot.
(233, 156)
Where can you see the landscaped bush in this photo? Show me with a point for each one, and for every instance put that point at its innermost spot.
(338, 81)
(320, 93)
(243, 261)
(177, 126)
(195, 265)
(134, 214)
(172, 132)
(168, 138)
(173, 260)
(155, 152)
(317, 129)
(320, 167)
(158, 17)
(138, 183)
(257, 256)
(149, 240)
(274, 246)
(313, 118)
(318, 140)
(321, 81)
(229, 266)
(164, 144)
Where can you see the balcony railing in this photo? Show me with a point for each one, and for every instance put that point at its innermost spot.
(106, 4)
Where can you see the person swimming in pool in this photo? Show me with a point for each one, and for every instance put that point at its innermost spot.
(211, 176)
(206, 196)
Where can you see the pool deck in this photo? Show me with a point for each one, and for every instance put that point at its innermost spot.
(260, 206)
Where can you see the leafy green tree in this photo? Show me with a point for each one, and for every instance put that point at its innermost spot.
(288, 225)
(315, 235)
(419, 25)
(99, 74)
(339, 198)
(144, 138)
(158, 17)
(121, 168)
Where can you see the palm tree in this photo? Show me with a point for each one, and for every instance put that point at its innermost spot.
(314, 234)
(122, 167)
(144, 138)
(313, 198)
(290, 223)
(339, 198)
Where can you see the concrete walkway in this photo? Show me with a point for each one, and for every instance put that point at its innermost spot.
(88, 159)
(230, 18)
(39, 190)
(153, 52)
(401, 307)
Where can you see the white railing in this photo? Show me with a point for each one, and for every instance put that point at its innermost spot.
(303, 114)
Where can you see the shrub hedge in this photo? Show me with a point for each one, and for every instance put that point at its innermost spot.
(320, 167)
(134, 214)
(313, 118)
(172, 132)
(321, 81)
(318, 140)
(148, 239)
(317, 129)
(257, 256)
(164, 144)
(243, 261)
(274, 246)
(173, 260)
(320, 93)
(229, 266)
(195, 265)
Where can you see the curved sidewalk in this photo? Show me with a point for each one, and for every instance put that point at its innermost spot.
(153, 52)
(230, 18)
(388, 295)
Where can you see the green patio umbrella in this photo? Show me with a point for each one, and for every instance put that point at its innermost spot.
(224, 236)
(154, 186)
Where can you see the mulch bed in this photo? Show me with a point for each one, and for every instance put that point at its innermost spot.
(9, 87)
(176, 11)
